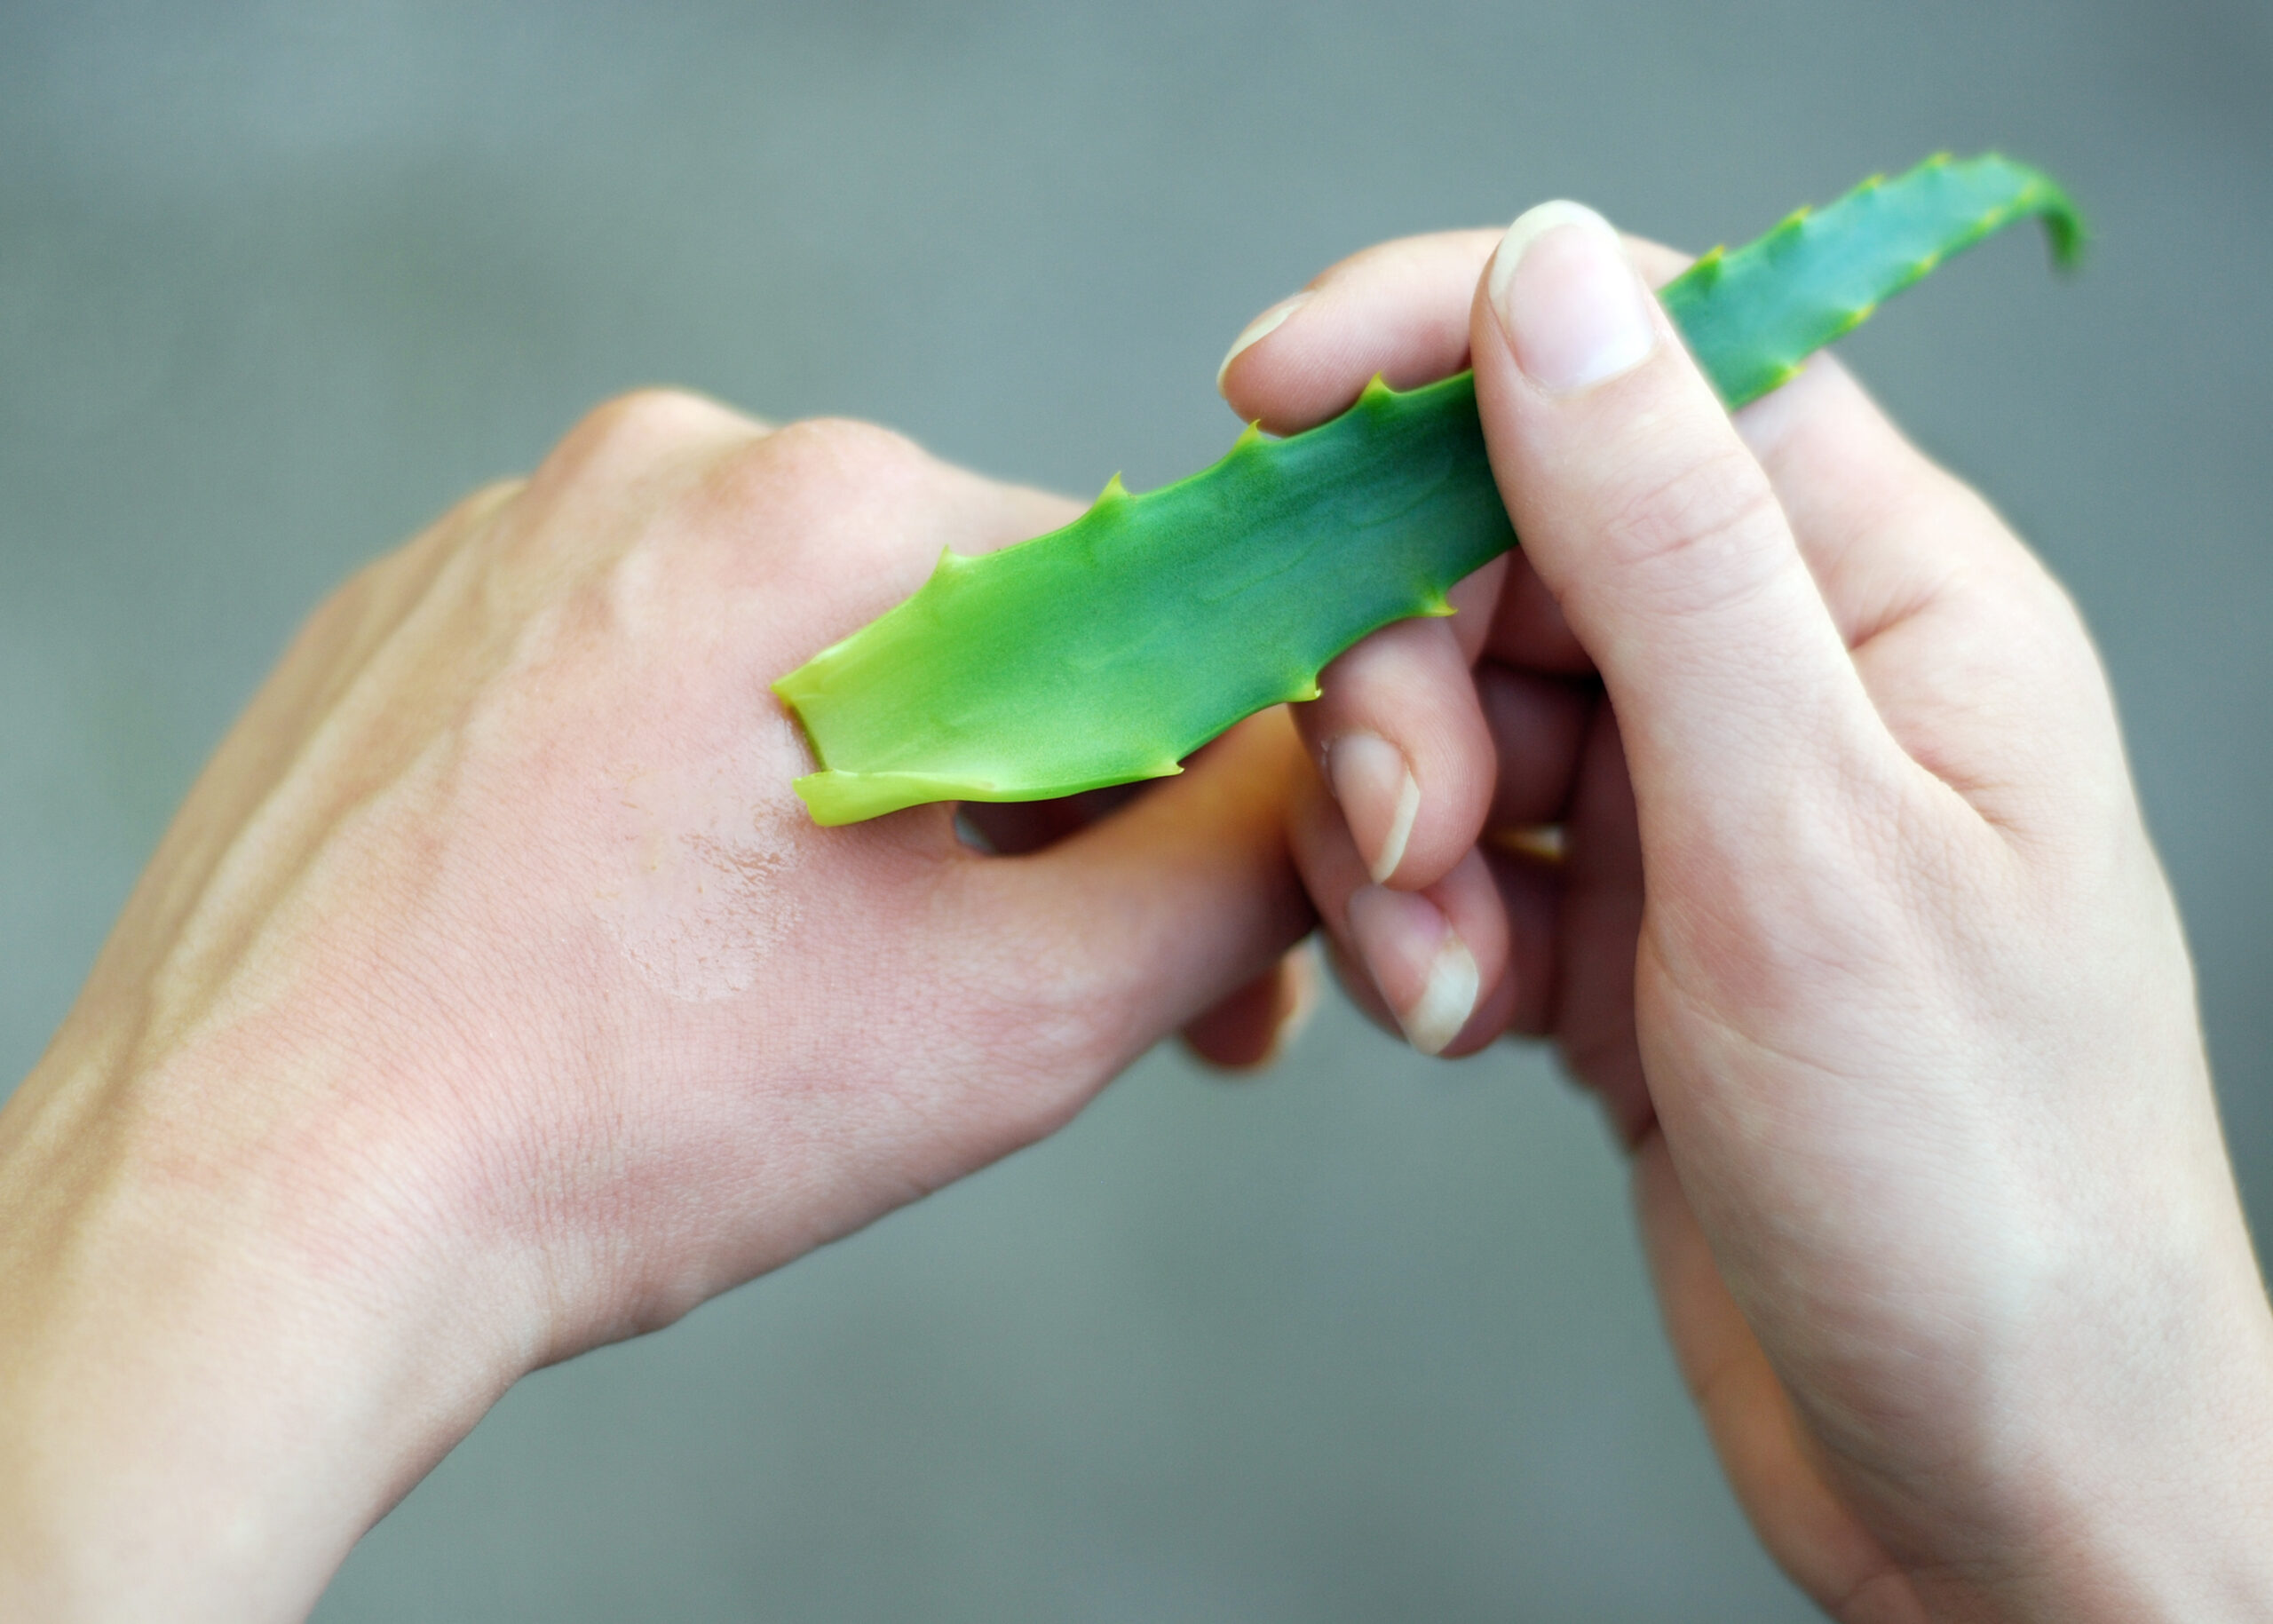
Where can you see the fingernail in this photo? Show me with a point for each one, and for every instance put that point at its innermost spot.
(1256, 331)
(1545, 842)
(1301, 990)
(1569, 299)
(1422, 967)
(1379, 797)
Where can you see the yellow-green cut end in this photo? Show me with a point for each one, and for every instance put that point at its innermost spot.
(834, 797)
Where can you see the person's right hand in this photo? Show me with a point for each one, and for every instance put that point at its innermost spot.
(1857, 932)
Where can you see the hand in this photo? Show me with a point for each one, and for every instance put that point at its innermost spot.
(493, 997)
(1855, 931)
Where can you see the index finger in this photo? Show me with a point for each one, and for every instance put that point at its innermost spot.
(1397, 310)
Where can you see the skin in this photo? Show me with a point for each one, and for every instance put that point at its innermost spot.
(492, 998)
(1854, 929)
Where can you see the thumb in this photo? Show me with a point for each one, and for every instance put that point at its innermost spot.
(1656, 529)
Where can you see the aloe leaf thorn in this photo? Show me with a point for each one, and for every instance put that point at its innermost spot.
(1107, 650)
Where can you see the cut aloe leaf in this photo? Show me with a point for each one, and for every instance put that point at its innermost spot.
(1107, 650)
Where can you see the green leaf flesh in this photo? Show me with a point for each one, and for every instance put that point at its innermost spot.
(1107, 650)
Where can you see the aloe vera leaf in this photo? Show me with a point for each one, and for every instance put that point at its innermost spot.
(1751, 317)
(1105, 652)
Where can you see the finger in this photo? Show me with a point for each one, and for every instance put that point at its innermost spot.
(1659, 536)
(1252, 1028)
(1434, 963)
(1974, 656)
(1401, 742)
(1013, 828)
(1882, 526)
(1398, 309)
(1528, 628)
(1762, 1445)
(1849, 483)
(1531, 893)
(1597, 925)
(1126, 930)
(1536, 725)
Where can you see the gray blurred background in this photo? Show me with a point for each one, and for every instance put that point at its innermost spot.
(1367, 1339)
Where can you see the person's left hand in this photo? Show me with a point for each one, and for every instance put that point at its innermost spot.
(493, 997)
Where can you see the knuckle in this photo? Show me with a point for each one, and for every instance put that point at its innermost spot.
(644, 415)
(834, 450)
(473, 511)
(475, 522)
(348, 605)
(634, 430)
(600, 489)
(1709, 517)
(831, 486)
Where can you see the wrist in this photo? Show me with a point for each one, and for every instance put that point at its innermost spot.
(2178, 1522)
(219, 1361)
(2146, 1492)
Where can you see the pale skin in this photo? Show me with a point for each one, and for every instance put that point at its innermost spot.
(491, 999)
(1857, 932)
